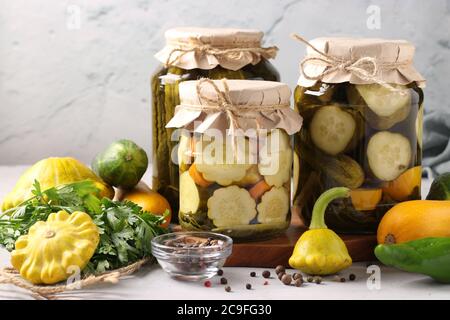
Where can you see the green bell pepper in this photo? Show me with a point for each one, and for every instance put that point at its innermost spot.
(429, 256)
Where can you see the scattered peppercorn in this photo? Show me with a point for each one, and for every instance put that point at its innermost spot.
(266, 283)
(297, 276)
(318, 280)
(286, 279)
(280, 269)
(227, 288)
(266, 274)
(280, 275)
(253, 274)
(248, 286)
(207, 283)
(352, 277)
(342, 279)
(298, 282)
(220, 272)
(309, 279)
(223, 280)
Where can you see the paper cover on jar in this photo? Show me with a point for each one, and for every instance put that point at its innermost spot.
(235, 104)
(358, 61)
(206, 48)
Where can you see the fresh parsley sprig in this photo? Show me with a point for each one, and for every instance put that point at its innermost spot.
(125, 229)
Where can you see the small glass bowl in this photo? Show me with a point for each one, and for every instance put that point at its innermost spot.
(191, 263)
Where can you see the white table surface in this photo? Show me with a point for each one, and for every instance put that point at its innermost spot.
(151, 282)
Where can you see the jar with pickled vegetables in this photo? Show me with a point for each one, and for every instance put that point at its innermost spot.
(190, 54)
(362, 105)
(235, 156)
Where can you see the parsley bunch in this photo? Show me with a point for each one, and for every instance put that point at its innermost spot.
(125, 229)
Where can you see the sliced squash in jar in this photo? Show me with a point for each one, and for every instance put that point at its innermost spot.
(223, 164)
(184, 151)
(231, 206)
(387, 107)
(251, 177)
(366, 199)
(332, 129)
(404, 186)
(189, 194)
(276, 168)
(388, 155)
(276, 141)
(274, 206)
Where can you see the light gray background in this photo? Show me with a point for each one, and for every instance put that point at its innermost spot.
(71, 92)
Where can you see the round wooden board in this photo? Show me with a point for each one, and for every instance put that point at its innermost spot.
(277, 251)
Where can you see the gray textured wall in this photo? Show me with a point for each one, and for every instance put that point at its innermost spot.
(70, 89)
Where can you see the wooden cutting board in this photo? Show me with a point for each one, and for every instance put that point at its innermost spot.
(277, 251)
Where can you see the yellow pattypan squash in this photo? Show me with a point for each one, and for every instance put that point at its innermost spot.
(50, 173)
(53, 248)
(319, 250)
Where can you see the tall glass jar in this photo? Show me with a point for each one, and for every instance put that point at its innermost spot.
(236, 181)
(365, 136)
(191, 54)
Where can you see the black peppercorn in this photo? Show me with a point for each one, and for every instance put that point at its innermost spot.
(280, 269)
(223, 280)
(318, 280)
(227, 288)
(352, 277)
(309, 279)
(286, 279)
(253, 274)
(220, 272)
(266, 274)
(248, 286)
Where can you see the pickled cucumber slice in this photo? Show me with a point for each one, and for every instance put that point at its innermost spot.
(274, 206)
(419, 126)
(388, 154)
(276, 167)
(189, 194)
(231, 206)
(224, 168)
(387, 107)
(332, 129)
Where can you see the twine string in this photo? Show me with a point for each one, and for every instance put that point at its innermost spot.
(11, 276)
(365, 68)
(176, 54)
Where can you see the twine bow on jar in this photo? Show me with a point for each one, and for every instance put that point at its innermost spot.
(223, 103)
(366, 68)
(230, 53)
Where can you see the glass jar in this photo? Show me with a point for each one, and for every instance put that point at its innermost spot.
(363, 136)
(237, 184)
(164, 85)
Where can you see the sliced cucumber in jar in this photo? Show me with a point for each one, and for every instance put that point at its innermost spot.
(389, 155)
(387, 107)
(332, 129)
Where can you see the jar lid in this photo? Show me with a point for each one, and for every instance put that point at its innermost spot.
(206, 48)
(235, 104)
(358, 61)
(218, 37)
